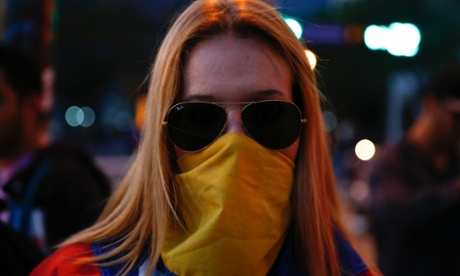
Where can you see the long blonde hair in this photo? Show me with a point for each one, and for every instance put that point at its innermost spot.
(143, 204)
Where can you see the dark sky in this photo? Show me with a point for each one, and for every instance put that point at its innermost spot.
(102, 50)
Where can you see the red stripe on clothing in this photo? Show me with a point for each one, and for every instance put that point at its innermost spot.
(367, 273)
(63, 262)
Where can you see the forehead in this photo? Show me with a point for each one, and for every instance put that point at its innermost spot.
(227, 67)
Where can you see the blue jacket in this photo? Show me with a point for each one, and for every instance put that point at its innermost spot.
(285, 264)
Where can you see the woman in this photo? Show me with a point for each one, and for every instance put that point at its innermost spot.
(233, 175)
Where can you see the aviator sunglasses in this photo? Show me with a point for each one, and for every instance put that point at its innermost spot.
(192, 126)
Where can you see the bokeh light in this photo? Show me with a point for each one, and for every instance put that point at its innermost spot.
(311, 58)
(365, 150)
(124, 121)
(88, 116)
(330, 120)
(74, 116)
(398, 39)
(295, 26)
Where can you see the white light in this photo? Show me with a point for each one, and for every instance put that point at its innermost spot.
(375, 37)
(399, 39)
(88, 116)
(365, 150)
(74, 116)
(404, 41)
(311, 58)
(295, 26)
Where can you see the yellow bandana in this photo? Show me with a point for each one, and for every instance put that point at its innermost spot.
(234, 198)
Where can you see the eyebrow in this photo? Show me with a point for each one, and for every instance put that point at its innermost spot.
(254, 96)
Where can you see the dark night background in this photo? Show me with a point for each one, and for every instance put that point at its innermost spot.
(101, 51)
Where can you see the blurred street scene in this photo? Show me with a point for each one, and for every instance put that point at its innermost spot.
(372, 58)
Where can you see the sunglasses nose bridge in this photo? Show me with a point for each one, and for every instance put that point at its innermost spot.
(234, 122)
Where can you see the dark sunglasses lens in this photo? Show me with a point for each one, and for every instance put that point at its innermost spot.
(193, 126)
(274, 124)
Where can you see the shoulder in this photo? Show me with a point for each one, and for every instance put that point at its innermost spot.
(75, 166)
(65, 261)
(67, 156)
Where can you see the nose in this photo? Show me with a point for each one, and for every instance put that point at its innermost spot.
(234, 122)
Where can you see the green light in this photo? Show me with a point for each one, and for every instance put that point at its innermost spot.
(398, 39)
(295, 26)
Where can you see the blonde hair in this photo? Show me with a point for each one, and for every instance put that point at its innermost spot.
(144, 203)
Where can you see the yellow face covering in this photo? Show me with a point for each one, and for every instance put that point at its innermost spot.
(234, 198)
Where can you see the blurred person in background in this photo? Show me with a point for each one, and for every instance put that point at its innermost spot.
(48, 189)
(18, 254)
(415, 187)
(229, 178)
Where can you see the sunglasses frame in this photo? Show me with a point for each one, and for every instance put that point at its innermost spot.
(221, 104)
